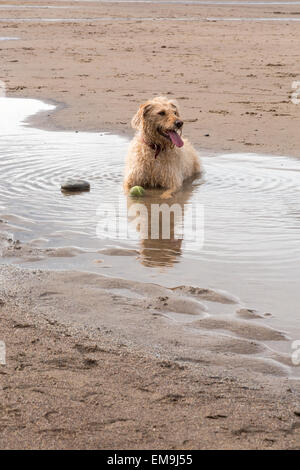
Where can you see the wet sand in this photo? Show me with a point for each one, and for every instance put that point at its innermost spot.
(76, 378)
(71, 386)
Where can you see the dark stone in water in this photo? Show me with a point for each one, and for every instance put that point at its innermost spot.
(75, 186)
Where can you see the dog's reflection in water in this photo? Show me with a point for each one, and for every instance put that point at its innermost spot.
(160, 226)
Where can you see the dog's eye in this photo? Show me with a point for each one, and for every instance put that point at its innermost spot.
(162, 113)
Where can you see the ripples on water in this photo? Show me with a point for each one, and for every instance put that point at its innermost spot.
(251, 202)
(251, 211)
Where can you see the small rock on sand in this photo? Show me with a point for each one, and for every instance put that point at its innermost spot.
(75, 186)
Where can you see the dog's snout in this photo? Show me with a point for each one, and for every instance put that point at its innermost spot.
(178, 124)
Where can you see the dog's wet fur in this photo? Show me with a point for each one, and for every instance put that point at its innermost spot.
(158, 156)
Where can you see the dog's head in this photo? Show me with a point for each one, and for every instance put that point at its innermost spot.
(159, 121)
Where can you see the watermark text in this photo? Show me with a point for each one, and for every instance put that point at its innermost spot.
(296, 352)
(2, 89)
(2, 353)
(295, 97)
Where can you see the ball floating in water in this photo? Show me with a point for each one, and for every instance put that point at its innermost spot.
(137, 191)
(73, 185)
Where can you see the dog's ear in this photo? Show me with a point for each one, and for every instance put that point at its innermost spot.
(139, 116)
(175, 104)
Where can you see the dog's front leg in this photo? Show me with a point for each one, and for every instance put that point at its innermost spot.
(169, 193)
(129, 182)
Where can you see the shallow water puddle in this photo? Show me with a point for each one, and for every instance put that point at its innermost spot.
(193, 2)
(239, 230)
(253, 19)
(40, 7)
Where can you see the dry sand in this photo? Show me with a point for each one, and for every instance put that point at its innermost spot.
(78, 376)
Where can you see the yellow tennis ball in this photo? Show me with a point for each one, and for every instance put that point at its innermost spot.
(137, 191)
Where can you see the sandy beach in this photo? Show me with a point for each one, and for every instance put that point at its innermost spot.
(233, 79)
(68, 386)
(81, 377)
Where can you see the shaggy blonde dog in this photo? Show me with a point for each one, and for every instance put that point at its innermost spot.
(158, 157)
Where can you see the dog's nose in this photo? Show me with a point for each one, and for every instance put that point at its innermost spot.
(178, 124)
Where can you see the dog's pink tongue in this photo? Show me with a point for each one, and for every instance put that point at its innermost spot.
(176, 139)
